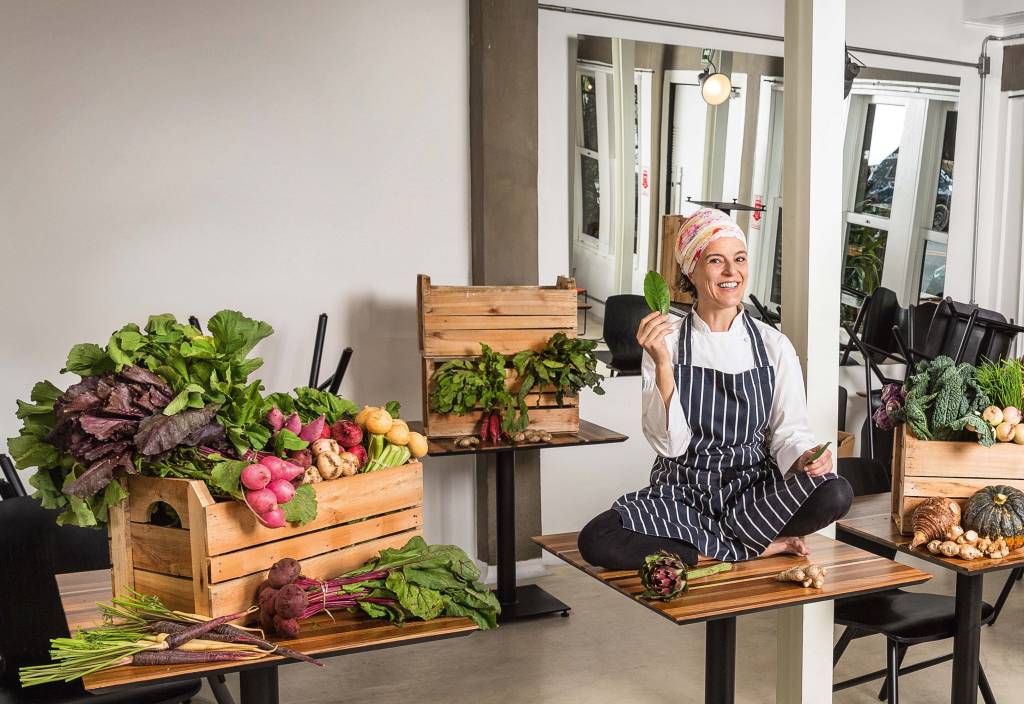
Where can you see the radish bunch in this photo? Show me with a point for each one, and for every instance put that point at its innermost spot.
(268, 484)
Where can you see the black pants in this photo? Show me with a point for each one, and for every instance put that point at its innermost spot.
(605, 542)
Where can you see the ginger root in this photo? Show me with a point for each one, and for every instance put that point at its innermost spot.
(933, 547)
(807, 576)
(969, 552)
(949, 548)
(954, 532)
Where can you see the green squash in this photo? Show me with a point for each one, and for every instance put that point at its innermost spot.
(996, 512)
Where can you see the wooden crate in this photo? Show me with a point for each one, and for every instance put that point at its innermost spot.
(214, 562)
(926, 468)
(454, 320)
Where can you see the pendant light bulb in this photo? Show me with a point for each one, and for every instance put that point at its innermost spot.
(715, 88)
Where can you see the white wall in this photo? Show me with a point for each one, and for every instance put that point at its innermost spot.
(870, 23)
(283, 159)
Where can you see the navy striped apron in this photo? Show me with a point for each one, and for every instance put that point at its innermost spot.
(724, 496)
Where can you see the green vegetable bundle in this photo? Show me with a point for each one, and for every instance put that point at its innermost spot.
(945, 399)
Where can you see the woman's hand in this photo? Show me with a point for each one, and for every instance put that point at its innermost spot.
(651, 336)
(820, 466)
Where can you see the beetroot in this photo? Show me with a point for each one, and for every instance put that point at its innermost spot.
(264, 585)
(360, 452)
(266, 600)
(261, 500)
(275, 419)
(347, 433)
(284, 572)
(290, 601)
(267, 620)
(293, 424)
(303, 458)
(287, 627)
(283, 490)
(313, 429)
(255, 477)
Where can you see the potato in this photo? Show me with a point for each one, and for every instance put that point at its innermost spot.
(324, 445)
(329, 464)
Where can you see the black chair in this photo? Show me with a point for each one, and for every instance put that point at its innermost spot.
(33, 549)
(10, 485)
(622, 316)
(904, 618)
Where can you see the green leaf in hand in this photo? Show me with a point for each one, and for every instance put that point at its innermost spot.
(656, 292)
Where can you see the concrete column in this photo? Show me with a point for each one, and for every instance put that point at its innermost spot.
(812, 236)
(503, 161)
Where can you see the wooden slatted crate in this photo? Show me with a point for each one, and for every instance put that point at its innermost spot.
(454, 320)
(955, 470)
(213, 563)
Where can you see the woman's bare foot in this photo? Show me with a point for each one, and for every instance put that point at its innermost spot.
(787, 546)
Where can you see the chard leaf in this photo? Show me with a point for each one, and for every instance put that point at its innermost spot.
(161, 433)
(185, 399)
(30, 451)
(88, 359)
(656, 292)
(302, 508)
(421, 602)
(236, 334)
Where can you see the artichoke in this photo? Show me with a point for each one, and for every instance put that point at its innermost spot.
(664, 576)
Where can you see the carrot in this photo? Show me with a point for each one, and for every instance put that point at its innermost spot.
(199, 629)
(243, 637)
(180, 657)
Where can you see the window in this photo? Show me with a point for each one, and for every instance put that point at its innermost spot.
(935, 233)
(589, 156)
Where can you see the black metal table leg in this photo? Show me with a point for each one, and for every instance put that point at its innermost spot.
(528, 600)
(967, 641)
(720, 661)
(258, 686)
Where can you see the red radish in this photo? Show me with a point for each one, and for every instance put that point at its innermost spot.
(293, 424)
(274, 519)
(261, 500)
(283, 490)
(313, 429)
(275, 419)
(291, 472)
(360, 452)
(303, 458)
(326, 432)
(255, 477)
(347, 433)
(272, 463)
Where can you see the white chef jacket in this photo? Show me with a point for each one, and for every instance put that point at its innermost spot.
(730, 352)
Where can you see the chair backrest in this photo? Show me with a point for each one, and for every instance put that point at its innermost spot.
(882, 313)
(843, 397)
(866, 476)
(10, 475)
(622, 316)
(33, 549)
(988, 338)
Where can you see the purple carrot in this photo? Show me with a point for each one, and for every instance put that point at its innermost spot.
(198, 629)
(184, 657)
(249, 639)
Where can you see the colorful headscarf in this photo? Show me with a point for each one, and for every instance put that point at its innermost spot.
(698, 231)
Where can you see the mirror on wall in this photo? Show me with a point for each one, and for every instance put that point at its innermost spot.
(649, 147)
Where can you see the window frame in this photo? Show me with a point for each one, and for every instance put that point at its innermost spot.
(601, 76)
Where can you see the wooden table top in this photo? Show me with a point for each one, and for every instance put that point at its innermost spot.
(750, 586)
(321, 636)
(868, 522)
(589, 434)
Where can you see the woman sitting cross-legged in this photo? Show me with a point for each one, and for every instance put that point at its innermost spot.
(724, 408)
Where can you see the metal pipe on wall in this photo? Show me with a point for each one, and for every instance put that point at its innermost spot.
(984, 68)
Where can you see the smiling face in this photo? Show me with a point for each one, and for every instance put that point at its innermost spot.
(720, 276)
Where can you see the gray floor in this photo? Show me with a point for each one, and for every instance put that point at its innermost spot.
(611, 650)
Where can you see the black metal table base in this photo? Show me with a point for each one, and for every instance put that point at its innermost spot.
(528, 600)
(720, 661)
(967, 644)
(258, 686)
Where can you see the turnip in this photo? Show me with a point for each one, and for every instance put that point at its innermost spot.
(1011, 415)
(293, 424)
(1004, 431)
(993, 415)
(1018, 434)
(283, 489)
(398, 434)
(347, 433)
(274, 519)
(255, 477)
(313, 429)
(417, 445)
(379, 421)
(275, 419)
(361, 417)
(261, 500)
